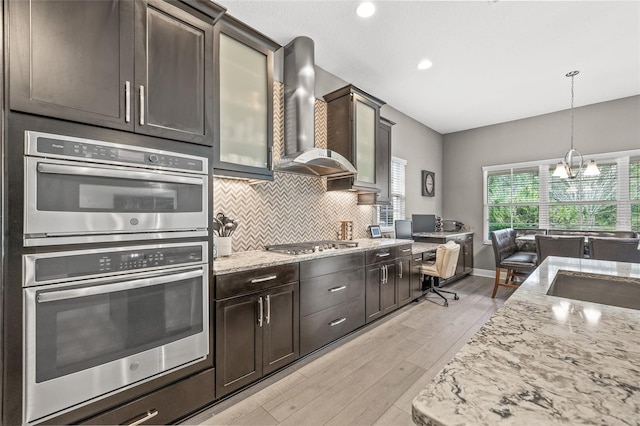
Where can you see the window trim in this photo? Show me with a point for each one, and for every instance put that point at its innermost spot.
(543, 201)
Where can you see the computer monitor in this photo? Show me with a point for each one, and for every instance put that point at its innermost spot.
(403, 229)
(424, 222)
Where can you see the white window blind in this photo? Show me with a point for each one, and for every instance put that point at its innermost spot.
(634, 193)
(387, 214)
(512, 198)
(516, 196)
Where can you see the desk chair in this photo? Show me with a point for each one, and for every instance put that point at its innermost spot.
(616, 249)
(444, 267)
(554, 245)
(404, 229)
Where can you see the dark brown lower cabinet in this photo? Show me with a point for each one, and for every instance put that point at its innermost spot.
(164, 406)
(405, 283)
(331, 299)
(255, 334)
(381, 294)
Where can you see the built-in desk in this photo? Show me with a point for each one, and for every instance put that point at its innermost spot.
(465, 239)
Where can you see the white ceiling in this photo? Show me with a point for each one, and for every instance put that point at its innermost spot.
(493, 61)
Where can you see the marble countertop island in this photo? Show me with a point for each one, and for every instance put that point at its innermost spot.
(543, 360)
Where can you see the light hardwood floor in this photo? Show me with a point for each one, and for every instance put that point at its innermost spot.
(371, 377)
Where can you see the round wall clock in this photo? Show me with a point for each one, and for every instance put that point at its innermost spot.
(428, 184)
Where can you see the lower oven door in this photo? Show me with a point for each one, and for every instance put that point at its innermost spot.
(87, 340)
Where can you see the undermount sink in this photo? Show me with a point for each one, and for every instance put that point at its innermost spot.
(605, 289)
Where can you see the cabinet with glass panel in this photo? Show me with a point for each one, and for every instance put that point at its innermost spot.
(244, 111)
(352, 128)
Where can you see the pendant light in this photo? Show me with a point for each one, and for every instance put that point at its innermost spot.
(566, 168)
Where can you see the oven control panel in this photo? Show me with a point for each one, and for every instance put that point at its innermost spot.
(72, 148)
(94, 263)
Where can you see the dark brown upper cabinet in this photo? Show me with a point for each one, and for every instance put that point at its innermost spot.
(383, 167)
(353, 117)
(244, 109)
(131, 65)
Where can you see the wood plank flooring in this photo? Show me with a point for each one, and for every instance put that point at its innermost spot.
(369, 378)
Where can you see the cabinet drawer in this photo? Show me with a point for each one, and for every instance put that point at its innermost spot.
(323, 327)
(170, 403)
(330, 290)
(403, 250)
(229, 285)
(329, 265)
(381, 255)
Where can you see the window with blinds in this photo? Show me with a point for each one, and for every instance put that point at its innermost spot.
(586, 202)
(527, 195)
(512, 198)
(387, 214)
(634, 193)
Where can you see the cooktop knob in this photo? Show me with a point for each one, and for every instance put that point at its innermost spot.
(153, 158)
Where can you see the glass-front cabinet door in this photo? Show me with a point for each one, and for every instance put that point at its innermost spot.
(365, 138)
(244, 136)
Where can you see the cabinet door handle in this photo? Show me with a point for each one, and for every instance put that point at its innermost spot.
(338, 321)
(333, 290)
(150, 414)
(141, 105)
(127, 101)
(260, 311)
(261, 280)
(383, 254)
(400, 267)
(268, 317)
(270, 158)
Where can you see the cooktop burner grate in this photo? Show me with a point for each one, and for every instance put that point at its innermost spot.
(311, 246)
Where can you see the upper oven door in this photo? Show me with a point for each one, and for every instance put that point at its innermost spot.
(66, 198)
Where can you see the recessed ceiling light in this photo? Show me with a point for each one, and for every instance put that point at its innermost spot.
(424, 64)
(365, 9)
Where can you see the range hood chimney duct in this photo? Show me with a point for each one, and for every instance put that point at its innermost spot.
(300, 154)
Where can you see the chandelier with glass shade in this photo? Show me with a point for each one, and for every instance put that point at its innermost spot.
(573, 162)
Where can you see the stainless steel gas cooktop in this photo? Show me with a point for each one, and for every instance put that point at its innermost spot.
(311, 246)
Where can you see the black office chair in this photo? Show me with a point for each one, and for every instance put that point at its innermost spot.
(404, 229)
(554, 245)
(616, 249)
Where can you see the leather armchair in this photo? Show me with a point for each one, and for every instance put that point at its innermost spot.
(509, 258)
(616, 249)
(555, 245)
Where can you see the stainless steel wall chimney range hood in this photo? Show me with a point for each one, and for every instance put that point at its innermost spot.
(300, 154)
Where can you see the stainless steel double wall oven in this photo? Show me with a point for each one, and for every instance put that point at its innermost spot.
(123, 297)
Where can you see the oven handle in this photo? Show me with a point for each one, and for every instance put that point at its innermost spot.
(61, 169)
(53, 296)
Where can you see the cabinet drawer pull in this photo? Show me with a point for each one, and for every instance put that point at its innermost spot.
(150, 414)
(418, 259)
(383, 254)
(333, 290)
(261, 280)
(260, 311)
(338, 321)
(268, 316)
(406, 250)
(141, 105)
(127, 101)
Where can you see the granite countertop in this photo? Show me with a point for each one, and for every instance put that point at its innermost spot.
(242, 261)
(544, 360)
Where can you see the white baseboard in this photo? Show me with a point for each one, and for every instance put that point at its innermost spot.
(489, 273)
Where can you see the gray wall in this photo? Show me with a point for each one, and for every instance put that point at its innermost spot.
(603, 127)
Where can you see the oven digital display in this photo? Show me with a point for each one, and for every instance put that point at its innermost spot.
(130, 156)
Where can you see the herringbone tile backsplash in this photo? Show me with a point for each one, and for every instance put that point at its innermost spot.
(293, 207)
